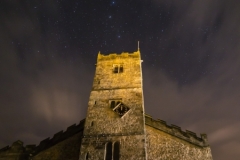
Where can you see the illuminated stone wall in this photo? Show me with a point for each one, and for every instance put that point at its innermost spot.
(163, 146)
(102, 124)
(102, 120)
(130, 77)
(64, 150)
(131, 147)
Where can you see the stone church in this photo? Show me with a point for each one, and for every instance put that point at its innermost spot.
(116, 126)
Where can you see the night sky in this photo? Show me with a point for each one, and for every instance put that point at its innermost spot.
(191, 63)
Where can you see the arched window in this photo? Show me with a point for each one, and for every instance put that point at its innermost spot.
(108, 151)
(115, 69)
(87, 156)
(121, 69)
(116, 150)
(112, 151)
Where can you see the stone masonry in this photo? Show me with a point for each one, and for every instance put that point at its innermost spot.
(118, 78)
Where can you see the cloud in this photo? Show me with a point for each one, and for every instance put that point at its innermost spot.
(43, 103)
(190, 70)
(209, 105)
(41, 91)
(224, 134)
(208, 101)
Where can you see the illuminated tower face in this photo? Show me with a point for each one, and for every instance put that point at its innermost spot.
(115, 126)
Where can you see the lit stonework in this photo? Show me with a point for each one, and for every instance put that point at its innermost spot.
(115, 110)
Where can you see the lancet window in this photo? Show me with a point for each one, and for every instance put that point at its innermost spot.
(112, 151)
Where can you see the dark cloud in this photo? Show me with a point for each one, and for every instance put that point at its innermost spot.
(190, 71)
(41, 92)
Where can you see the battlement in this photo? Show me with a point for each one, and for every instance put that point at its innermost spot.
(176, 131)
(103, 57)
(60, 136)
(46, 143)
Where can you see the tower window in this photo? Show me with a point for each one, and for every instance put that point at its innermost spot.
(87, 156)
(112, 151)
(114, 103)
(121, 68)
(118, 103)
(117, 68)
(108, 151)
(116, 150)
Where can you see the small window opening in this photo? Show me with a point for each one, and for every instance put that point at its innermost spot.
(118, 102)
(112, 104)
(87, 156)
(121, 69)
(116, 151)
(95, 102)
(92, 123)
(117, 68)
(108, 151)
(112, 151)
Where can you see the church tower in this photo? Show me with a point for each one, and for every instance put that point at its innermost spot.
(115, 125)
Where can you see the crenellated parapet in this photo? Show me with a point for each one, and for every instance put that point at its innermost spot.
(123, 55)
(59, 136)
(19, 151)
(176, 131)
